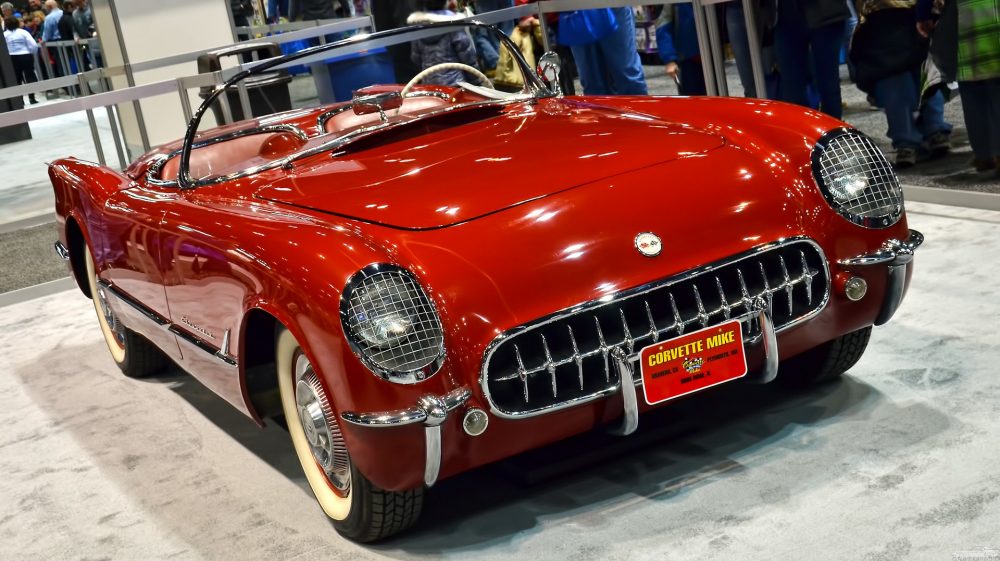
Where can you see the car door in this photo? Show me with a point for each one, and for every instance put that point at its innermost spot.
(205, 288)
(132, 255)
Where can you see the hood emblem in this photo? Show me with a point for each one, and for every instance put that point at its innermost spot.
(648, 244)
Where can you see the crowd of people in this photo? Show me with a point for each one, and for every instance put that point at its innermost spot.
(30, 24)
(902, 53)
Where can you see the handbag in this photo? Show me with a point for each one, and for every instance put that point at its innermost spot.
(582, 27)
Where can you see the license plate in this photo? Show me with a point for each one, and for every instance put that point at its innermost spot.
(692, 362)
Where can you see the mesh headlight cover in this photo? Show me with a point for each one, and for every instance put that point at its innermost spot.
(856, 179)
(391, 324)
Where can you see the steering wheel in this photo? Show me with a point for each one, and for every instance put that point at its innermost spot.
(444, 66)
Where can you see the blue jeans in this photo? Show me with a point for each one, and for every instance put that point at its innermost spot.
(899, 95)
(796, 47)
(611, 65)
(736, 25)
(483, 6)
(981, 105)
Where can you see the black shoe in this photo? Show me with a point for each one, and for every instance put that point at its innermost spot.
(905, 158)
(32, 100)
(939, 144)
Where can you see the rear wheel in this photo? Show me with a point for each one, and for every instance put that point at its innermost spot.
(825, 362)
(359, 509)
(135, 356)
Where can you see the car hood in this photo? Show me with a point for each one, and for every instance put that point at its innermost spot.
(425, 178)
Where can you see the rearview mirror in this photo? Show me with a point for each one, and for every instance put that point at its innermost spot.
(548, 70)
(376, 103)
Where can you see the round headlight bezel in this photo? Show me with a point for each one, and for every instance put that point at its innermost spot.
(430, 321)
(879, 175)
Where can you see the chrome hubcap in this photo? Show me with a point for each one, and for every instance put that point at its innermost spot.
(320, 425)
(114, 325)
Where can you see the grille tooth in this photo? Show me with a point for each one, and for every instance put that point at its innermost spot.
(787, 280)
(521, 371)
(576, 354)
(725, 307)
(744, 292)
(808, 274)
(702, 316)
(767, 287)
(678, 325)
(550, 366)
(654, 334)
(628, 341)
(604, 349)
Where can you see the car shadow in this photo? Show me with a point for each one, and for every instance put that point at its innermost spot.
(676, 449)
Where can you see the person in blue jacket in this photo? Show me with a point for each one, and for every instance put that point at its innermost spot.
(677, 40)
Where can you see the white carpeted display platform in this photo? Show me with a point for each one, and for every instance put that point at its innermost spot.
(900, 460)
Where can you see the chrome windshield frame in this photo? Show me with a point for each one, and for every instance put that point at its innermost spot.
(533, 87)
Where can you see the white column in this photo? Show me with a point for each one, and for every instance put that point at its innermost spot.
(134, 31)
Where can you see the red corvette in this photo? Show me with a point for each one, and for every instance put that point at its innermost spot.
(432, 277)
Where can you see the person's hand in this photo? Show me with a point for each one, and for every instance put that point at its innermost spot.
(527, 23)
(924, 28)
(673, 71)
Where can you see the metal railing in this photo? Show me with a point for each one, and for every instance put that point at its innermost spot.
(95, 91)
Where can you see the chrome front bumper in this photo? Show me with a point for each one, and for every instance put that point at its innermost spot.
(431, 410)
(896, 255)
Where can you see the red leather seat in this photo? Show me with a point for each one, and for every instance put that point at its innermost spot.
(230, 156)
(347, 120)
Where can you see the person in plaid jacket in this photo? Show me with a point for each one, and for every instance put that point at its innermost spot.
(977, 45)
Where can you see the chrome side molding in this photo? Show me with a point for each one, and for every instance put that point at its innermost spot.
(431, 410)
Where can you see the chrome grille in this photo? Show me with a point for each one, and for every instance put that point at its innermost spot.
(848, 154)
(563, 360)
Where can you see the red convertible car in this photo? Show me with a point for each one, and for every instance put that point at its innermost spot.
(431, 277)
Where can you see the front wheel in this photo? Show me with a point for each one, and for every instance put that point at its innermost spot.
(135, 356)
(360, 510)
(825, 362)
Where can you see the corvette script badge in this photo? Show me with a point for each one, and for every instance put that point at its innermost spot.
(648, 244)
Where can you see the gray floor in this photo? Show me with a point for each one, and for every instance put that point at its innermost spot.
(897, 461)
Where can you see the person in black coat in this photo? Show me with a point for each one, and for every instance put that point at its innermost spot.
(810, 31)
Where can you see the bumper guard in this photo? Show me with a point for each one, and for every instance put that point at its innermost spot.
(431, 410)
(897, 255)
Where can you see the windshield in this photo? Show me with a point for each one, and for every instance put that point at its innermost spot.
(278, 110)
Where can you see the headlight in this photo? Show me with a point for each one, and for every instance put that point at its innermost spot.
(856, 179)
(391, 324)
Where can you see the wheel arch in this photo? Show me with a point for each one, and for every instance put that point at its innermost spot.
(77, 244)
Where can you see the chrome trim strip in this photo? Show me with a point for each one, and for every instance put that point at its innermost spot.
(136, 305)
(892, 252)
(409, 416)
(630, 403)
(160, 321)
(327, 115)
(681, 277)
(223, 352)
(187, 337)
(61, 251)
(154, 169)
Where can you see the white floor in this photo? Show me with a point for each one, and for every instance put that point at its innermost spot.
(900, 460)
(26, 191)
